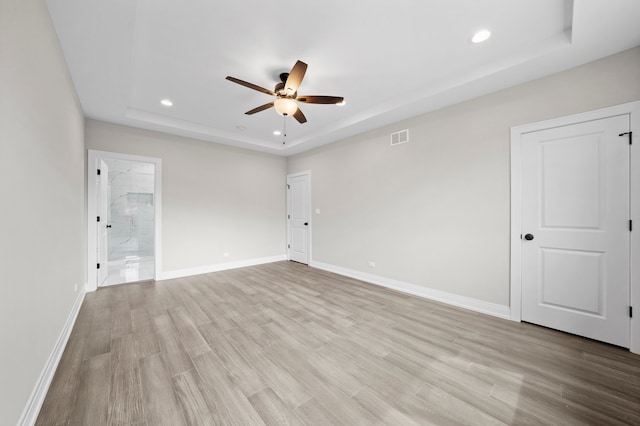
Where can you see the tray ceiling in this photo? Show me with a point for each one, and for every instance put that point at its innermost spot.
(390, 60)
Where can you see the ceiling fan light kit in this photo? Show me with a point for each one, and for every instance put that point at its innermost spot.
(285, 106)
(286, 94)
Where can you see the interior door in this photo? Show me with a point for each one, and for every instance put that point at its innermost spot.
(298, 200)
(576, 236)
(103, 230)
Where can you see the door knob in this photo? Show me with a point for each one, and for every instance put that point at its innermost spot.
(108, 226)
(306, 223)
(528, 237)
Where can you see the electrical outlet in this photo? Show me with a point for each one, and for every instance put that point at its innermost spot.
(75, 287)
(372, 264)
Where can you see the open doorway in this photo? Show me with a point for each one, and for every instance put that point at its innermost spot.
(130, 221)
(123, 205)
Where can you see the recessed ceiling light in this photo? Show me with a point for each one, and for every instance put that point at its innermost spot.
(480, 36)
(277, 132)
(166, 102)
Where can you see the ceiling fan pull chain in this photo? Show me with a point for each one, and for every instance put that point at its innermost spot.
(284, 129)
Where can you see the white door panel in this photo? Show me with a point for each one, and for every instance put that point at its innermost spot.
(575, 204)
(571, 185)
(298, 241)
(298, 199)
(564, 266)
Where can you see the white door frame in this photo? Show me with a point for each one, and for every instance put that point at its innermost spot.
(631, 108)
(92, 164)
(102, 234)
(290, 176)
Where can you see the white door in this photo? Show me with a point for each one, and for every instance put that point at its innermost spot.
(575, 226)
(299, 217)
(103, 214)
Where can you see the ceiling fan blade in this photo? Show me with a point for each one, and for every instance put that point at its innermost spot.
(320, 99)
(295, 78)
(250, 85)
(298, 115)
(260, 108)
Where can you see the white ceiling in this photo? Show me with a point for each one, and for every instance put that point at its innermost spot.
(390, 60)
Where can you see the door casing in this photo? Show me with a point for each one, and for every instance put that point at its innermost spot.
(631, 108)
(103, 213)
(93, 160)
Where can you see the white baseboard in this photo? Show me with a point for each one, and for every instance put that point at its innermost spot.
(169, 275)
(500, 311)
(31, 411)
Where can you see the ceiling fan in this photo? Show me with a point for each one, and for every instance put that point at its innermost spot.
(286, 93)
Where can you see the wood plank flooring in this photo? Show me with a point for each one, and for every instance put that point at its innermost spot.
(285, 344)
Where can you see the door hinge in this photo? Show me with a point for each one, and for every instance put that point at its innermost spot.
(98, 172)
(288, 186)
(288, 216)
(630, 136)
(630, 311)
(98, 218)
(98, 266)
(288, 245)
(630, 225)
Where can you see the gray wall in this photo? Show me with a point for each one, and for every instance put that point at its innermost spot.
(215, 199)
(435, 211)
(42, 247)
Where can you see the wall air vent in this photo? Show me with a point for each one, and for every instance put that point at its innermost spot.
(400, 137)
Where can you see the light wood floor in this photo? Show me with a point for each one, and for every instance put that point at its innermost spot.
(283, 343)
